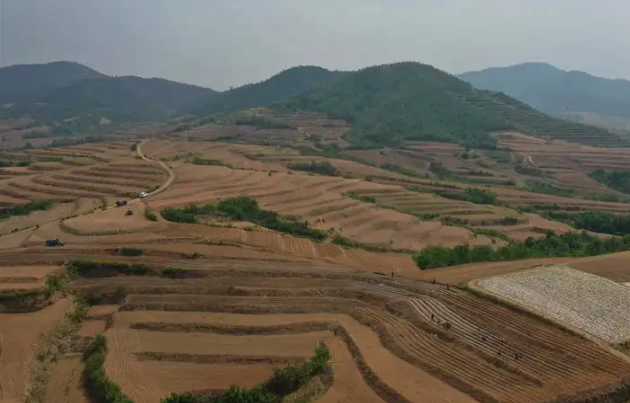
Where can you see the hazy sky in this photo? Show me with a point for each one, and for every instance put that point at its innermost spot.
(222, 43)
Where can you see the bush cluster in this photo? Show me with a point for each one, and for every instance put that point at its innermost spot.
(243, 209)
(283, 382)
(78, 268)
(131, 251)
(322, 168)
(473, 195)
(24, 209)
(570, 244)
(150, 215)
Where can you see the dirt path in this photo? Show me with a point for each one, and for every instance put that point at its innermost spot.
(171, 173)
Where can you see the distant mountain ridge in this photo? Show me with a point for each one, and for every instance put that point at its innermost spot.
(286, 84)
(62, 90)
(555, 91)
(386, 105)
(394, 103)
(27, 82)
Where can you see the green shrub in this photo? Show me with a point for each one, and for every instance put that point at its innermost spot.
(366, 199)
(473, 195)
(322, 168)
(173, 272)
(176, 215)
(131, 252)
(150, 215)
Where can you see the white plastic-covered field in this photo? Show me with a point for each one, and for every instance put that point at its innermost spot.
(587, 302)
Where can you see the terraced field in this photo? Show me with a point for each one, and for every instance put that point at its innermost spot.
(19, 334)
(391, 331)
(99, 172)
(583, 301)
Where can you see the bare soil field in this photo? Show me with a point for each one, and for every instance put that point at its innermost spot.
(65, 384)
(584, 301)
(393, 334)
(91, 328)
(249, 300)
(111, 221)
(19, 334)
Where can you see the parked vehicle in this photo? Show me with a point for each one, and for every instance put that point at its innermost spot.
(142, 195)
(54, 242)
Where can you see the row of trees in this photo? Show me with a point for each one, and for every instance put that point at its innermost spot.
(570, 244)
(596, 221)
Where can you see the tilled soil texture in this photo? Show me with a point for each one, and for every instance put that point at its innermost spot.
(19, 334)
(488, 352)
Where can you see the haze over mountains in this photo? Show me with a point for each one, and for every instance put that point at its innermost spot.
(386, 104)
(572, 94)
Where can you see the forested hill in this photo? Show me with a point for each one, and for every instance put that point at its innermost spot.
(29, 82)
(556, 91)
(389, 104)
(57, 91)
(120, 99)
(285, 84)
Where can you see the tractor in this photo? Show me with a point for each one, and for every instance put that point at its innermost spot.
(129, 211)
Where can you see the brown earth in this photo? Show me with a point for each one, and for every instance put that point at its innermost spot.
(19, 334)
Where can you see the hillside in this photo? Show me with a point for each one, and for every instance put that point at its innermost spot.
(286, 84)
(390, 104)
(119, 99)
(557, 92)
(57, 91)
(28, 83)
